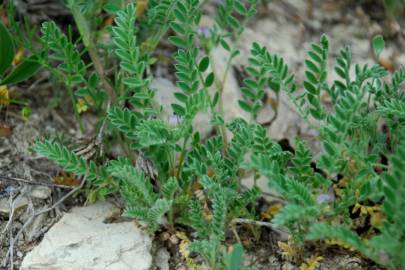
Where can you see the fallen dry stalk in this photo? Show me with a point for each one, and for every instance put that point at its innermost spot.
(29, 182)
(31, 218)
(260, 224)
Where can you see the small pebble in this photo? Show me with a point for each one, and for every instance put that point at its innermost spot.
(164, 236)
(19, 202)
(174, 239)
(41, 192)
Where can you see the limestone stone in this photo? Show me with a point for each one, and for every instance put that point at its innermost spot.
(81, 240)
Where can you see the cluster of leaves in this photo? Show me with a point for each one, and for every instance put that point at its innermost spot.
(20, 73)
(65, 62)
(170, 175)
(12, 72)
(221, 198)
(265, 71)
(351, 172)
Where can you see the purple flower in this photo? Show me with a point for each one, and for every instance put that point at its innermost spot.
(204, 31)
(174, 120)
(323, 198)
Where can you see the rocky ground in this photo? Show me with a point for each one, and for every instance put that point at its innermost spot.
(58, 238)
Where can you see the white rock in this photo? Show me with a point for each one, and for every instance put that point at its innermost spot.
(80, 240)
(164, 96)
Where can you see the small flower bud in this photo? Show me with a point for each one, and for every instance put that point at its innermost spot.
(174, 120)
(323, 198)
(204, 31)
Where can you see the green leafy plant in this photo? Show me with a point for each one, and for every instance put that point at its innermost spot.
(168, 175)
(14, 66)
(350, 172)
(384, 248)
(28, 67)
(160, 175)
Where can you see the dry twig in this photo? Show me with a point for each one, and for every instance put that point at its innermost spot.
(31, 218)
(29, 182)
(9, 227)
(259, 223)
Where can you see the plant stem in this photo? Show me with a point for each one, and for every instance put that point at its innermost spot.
(153, 42)
(100, 71)
(221, 99)
(14, 101)
(124, 143)
(255, 178)
(87, 37)
(381, 165)
(76, 112)
(221, 84)
(369, 96)
(171, 216)
(182, 156)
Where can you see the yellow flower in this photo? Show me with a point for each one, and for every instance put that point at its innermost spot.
(271, 211)
(81, 105)
(141, 6)
(18, 56)
(183, 247)
(4, 97)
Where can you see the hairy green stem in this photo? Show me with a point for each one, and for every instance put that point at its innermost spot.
(87, 37)
(125, 146)
(13, 101)
(171, 215)
(221, 84)
(101, 73)
(153, 42)
(182, 156)
(76, 112)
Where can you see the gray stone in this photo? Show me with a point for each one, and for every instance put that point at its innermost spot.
(80, 240)
(41, 192)
(19, 202)
(162, 259)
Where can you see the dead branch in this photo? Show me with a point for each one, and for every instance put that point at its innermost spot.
(40, 212)
(29, 182)
(269, 225)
